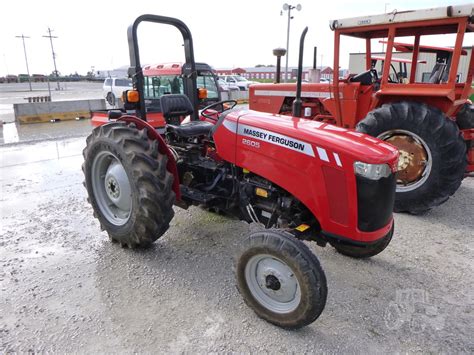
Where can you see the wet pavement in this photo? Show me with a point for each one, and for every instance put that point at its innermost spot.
(65, 288)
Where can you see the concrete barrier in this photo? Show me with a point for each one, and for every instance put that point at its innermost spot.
(38, 112)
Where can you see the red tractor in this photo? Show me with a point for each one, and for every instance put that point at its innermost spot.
(169, 78)
(428, 117)
(298, 179)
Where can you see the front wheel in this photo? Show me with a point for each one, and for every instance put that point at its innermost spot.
(432, 152)
(281, 279)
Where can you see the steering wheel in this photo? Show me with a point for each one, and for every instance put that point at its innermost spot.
(397, 77)
(374, 75)
(222, 108)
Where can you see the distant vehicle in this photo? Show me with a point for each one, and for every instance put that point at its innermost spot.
(238, 80)
(39, 78)
(224, 86)
(23, 78)
(170, 78)
(114, 87)
(163, 79)
(11, 79)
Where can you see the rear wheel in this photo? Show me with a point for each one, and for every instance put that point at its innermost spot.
(367, 251)
(432, 152)
(128, 184)
(281, 279)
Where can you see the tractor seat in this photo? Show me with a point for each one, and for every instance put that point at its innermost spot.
(192, 129)
(175, 106)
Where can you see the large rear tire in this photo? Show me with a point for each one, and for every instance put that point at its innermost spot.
(432, 152)
(129, 186)
(281, 279)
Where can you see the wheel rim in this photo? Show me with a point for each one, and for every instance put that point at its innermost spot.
(111, 99)
(272, 283)
(111, 187)
(415, 161)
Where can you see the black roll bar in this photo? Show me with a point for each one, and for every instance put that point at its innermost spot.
(135, 70)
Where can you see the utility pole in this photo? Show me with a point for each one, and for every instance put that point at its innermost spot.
(287, 7)
(54, 56)
(26, 58)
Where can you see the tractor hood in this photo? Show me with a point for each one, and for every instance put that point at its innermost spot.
(358, 146)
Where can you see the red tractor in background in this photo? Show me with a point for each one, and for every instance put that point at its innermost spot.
(169, 78)
(298, 179)
(431, 123)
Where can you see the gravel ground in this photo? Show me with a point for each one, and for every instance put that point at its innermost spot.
(65, 288)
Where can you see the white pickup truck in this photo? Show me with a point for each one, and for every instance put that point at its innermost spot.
(113, 89)
(237, 80)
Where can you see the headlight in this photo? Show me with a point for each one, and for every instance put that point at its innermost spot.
(372, 171)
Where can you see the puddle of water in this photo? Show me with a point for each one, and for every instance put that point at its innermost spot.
(41, 151)
(6, 113)
(10, 133)
(13, 133)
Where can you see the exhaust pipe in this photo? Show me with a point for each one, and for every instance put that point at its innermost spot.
(296, 108)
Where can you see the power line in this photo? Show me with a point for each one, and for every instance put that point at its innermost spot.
(54, 56)
(26, 58)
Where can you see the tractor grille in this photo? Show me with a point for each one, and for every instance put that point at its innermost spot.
(375, 200)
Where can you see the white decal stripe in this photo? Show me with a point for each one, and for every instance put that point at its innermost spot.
(336, 157)
(231, 126)
(370, 139)
(323, 155)
(276, 139)
(357, 134)
(313, 94)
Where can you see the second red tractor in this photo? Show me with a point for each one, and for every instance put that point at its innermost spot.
(429, 118)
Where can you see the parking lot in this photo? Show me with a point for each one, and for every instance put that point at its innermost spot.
(65, 288)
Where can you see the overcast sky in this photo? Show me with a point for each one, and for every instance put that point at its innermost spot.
(226, 33)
